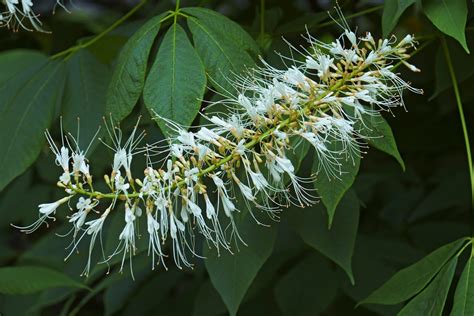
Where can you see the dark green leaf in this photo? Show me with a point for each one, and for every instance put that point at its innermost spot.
(27, 107)
(411, 280)
(464, 297)
(379, 135)
(392, 11)
(331, 189)
(224, 26)
(128, 78)
(84, 97)
(298, 151)
(28, 280)
(431, 300)
(232, 274)
(13, 62)
(177, 81)
(222, 57)
(336, 243)
(449, 17)
(308, 288)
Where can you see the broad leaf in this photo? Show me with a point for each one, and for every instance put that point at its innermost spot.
(298, 150)
(411, 280)
(84, 97)
(431, 300)
(29, 279)
(13, 62)
(232, 274)
(449, 17)
(308, 288)
(336, 243)
(222, 57)
(177, 81)
(128, 78)
(379, 135)
(464, 296)
(27, 107)
(392, 11)
(225, 27)
(332, 189)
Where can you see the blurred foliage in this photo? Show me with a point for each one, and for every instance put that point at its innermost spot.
(385, 217)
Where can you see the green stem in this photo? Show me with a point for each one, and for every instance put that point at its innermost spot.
(462, 118)
(339, 84)
(73, 49)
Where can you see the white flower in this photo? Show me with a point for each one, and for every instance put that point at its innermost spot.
(187, 138)
(322, 65)
(79, 164)
(177, 229)
(120, 159)
(127, 238)
(154, 247)
(120, 184)
(295, 77)
(61, 158)
(94, 229)
(208, 135)
(46, 211)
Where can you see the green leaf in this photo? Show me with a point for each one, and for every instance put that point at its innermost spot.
(392, 11)
(177, 81)
(27, 107)
(379, 135)
(222, 57)
(224, 26)
(411, 280)
(308, 288)
(232, 274)
(128, 77)
(464, 296)
(336, 243)
(84, 96)
(449, 17)
(298, 150)
(331, 190)
(29, 279)
(431, 300)
(13, 62)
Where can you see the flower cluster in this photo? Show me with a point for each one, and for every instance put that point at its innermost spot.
(197, 181)
(19, 13)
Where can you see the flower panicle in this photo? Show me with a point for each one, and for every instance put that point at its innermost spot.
(16, 14)
(197, 181)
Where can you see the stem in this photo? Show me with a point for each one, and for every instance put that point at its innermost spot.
(462, 118)
(73, 49)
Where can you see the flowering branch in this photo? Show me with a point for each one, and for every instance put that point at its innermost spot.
(241, 155)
